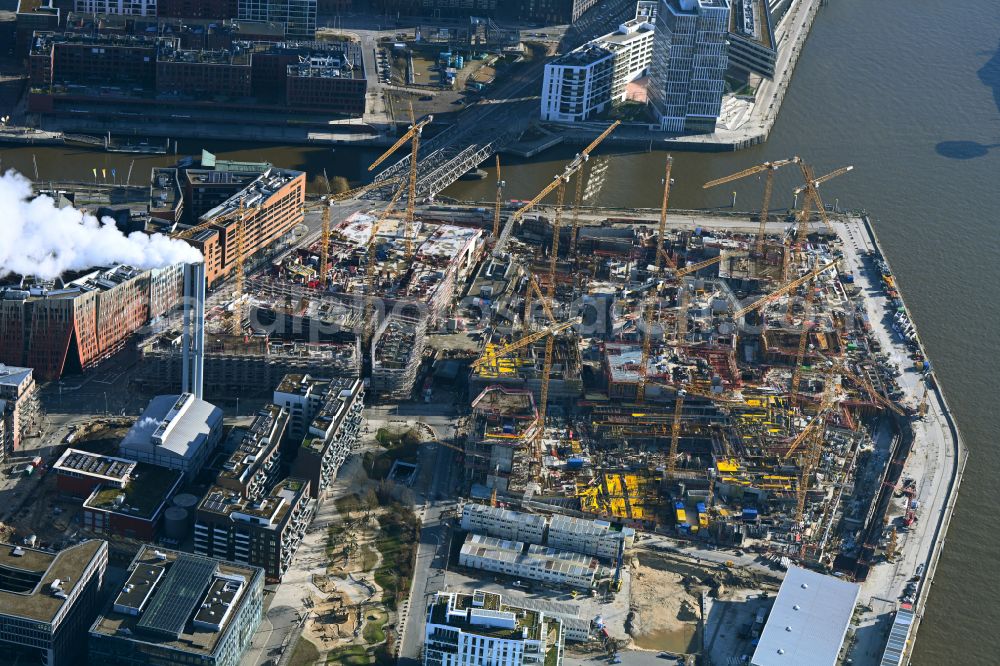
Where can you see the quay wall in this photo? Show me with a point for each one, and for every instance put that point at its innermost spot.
(960, 458)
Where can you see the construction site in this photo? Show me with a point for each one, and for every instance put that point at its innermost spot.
(716, 384)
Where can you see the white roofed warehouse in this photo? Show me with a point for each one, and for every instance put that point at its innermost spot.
(808, 622)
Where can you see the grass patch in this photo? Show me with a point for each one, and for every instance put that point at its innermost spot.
(373, 631)
(349, 655)
(304, 654)
(397, 542)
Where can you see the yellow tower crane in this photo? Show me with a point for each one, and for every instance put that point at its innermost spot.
(496, 204)
(413, 136)
(803, 341)
(370, 309)
(562, 178)
(640, 389)
(811, 189)
(768, 168)
(782, 290)
(810, 459)
(324, 238)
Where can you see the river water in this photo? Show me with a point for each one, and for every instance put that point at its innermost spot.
(908, 91)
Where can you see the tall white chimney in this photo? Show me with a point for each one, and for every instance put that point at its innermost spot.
(193, 341)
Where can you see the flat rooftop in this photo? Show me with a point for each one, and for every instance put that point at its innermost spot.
(808, 621)
(26, 575)
(102, 468)
(272, 509)
(13, 376)
(101, 279)
(149, 487)
(256, 193)
(261, 437)
(174, 611)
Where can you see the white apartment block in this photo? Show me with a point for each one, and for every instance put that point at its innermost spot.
(480, 630)
(521, 560)
(124, 7)
(503, 523)
(590, 537)
(690, 57)
(590, 78)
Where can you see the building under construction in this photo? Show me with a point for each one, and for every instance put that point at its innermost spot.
(397, 353)
(245, 365)
(505, 422)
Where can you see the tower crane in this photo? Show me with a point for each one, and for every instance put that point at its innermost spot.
(236, 325)
(768, 168)
(640, 389)
(811, 189)
(496, 205)
(577, 202)
(803, 341)
(370, 310)
(413, 135)
(528, 339)
(694, 268)
(324, 248)
(575, 165)
(782, 290)
(810, 459)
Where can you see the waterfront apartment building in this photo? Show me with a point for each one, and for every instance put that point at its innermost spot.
(74, 326)
(299, 16)
(272, 204)
(178, 608)
(324, 425)
(47, 601)
(589, 79)
(690, 57)
(18, 407)
(476, 629)
(264, 532)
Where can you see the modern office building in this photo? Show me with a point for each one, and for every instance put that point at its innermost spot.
(690, 57)
(18, 407)
(808, 622)
(520, 560)
(299, 16)
(47, 601)
(175, 431)
(264, 532)
(56, 327)
(589, 79)
(752, 44)
(254, 466)
(475, 629)
(324, 425)
(178, 608)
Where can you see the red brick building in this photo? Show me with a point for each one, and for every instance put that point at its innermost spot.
(196, 74)
(135, 511)
(78, 473)
(273, 207)
(86, 321)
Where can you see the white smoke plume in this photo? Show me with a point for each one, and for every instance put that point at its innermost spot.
(37, 238)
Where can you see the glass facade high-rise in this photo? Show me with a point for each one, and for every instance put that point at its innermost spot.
(299, 16)
(690, 57)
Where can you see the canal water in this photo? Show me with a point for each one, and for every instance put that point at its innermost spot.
(907, 91)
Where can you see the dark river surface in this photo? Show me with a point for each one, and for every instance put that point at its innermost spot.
(908, 91)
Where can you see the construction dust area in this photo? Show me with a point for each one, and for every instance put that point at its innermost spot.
(670, 594)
